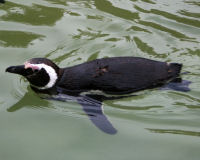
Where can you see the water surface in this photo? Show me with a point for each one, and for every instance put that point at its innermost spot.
(156, 124)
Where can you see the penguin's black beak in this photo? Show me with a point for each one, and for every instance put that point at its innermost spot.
(16, 69)
(2, 1)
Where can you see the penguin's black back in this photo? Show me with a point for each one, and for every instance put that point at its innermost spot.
(118, 75)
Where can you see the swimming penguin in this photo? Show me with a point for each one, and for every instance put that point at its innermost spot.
(117, 75)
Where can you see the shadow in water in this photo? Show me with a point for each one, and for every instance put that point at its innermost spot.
(30, 99)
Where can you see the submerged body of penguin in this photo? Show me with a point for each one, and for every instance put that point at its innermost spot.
(117, 75)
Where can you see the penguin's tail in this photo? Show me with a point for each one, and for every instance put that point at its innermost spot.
(176, 83)
(175, 69)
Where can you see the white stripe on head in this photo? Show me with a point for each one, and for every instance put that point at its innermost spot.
(50, 71)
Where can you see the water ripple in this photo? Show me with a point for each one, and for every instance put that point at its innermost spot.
(72, 32)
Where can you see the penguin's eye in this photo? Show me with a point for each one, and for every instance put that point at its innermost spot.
(29, 71)
(36, 70)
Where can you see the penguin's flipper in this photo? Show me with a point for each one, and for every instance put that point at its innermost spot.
(93, 108)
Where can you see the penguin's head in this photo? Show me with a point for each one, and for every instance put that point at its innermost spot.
(42, 73)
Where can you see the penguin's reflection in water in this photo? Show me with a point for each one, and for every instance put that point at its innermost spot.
(91, 105)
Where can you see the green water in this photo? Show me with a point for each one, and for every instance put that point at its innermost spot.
(155, 125)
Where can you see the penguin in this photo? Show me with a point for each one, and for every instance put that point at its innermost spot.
(115, 75)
